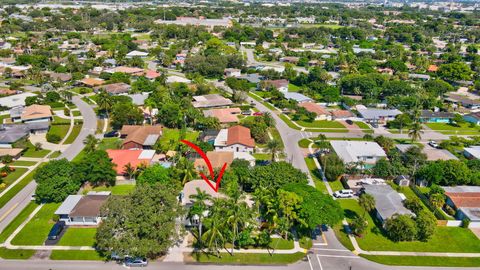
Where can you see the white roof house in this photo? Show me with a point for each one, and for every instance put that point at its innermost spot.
(355, 151)
(15, 100)
(136, 54)
(177, 79)
(67, 206)
(388, 202)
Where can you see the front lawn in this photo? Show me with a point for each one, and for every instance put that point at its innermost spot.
(293, 88)
(321, 124)
(58, 130)
(445, 239)
(316, 175)
(16, 254)
(336, 185)
(76, 255)
(109, 143)
(13, 176)
(116, 190)
(461, 129)
(262, 156)
(31, 152)
(248, 258)
(12, 226)
(73, 135)
(36, 231)
(78, 237)
(424, 261)
(22, 163)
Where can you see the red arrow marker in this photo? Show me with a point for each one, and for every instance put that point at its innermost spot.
(209, 166)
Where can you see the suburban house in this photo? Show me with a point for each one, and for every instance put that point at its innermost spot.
(140, 137)
(15, 100)
(235, 139)
(122, 157)
(36, 113)
(280, 85)
(211, 101)
(379, 116)
(219, 158)
(192, 187)
(92, 82)
(9, 134)
(252, 78)
(341, 114)
(463, 100)
(13, 152)
(290, 59)
(321, 112)
(427, 116)
(297, 97)
(114, 88)
(232, 72)
(466, 201)
(82, 210)
(133, 54)
(358, 151)
(224, 115)
(388, 202)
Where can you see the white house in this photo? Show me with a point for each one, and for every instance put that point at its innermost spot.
(235, 139)
(136, 54)
(79, 210)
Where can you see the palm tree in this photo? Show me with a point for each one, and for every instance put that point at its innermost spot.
(187, 170)
(239, 215)
(268, 119)
(90, 143)
(273, 146)
(129, 170)
(104, 101)
(198, 208)
(321, 142)
(437, 200)
(67, 95)
(415, 132)
(367, 202)
(215, 222)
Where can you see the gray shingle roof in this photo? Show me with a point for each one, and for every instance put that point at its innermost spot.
(387, 201)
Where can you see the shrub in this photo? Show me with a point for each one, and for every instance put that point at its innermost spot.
(449, 210)
(53, 138)
(465, 223)
(7, 159)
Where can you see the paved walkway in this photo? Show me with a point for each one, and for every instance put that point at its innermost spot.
(42, 139)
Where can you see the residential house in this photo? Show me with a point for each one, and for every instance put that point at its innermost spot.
(356, 50)
(200, 21)
(15, 100)
(290, 59)
(432, 68)
(36, 113)
(151, 74)
(297, 97)
(235, 139)
(114, 88)
(472, 152)
(420, 77)
(224, 116)
(211, 101)
(388, 202)
(473, 118)
(280, 85)
(133, 54)
(140, 137)
(427, 116)
(9, 134)
(466, 201)
(232, 72)
(364, 152)
(463, 100)
(133, 71)
(252, 78)
(13, 152)
(92, 82)
(378, 116)
(321, 112)
(217, 160)
(192, 187)
(341, 114)
(135, 158)
(82, 210)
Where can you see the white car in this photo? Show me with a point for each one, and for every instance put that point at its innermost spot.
(433, 144)
(344, 193)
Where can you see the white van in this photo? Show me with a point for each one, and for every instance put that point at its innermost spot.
(344, 193)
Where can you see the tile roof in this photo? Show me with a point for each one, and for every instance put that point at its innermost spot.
(92, 81)
(341, 114)
(217, 159)
(227, 115)
(36, 111)
(211, 100)
(314, 107)
(139, 134)
(122, 157)
(241, 135)
(464, 199)
(114, 88)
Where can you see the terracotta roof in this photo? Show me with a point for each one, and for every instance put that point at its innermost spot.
(277, 83)
(129, 70)
(139, 134)
(89, 206)
(122, 157)
(240, 135)
(217, 159)
(151, 74)
(464, 199)
(341, 114)
(114, 88)
(432, 68)
(92, 81)
(314, 107)
(36, 111)
(228, 115)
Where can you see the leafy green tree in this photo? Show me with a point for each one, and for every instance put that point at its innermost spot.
(359, 224)
(333, 166)
(413, 204)
(56, 188)
(401, 228)
(367, 202)
(198, 209)
(104, 101)
(91, 143)
(133, 225)
(426, 224)
(455, 71)
(97, 168)
(126, 114)
(275, 175)
(56, 167)
(156, 173)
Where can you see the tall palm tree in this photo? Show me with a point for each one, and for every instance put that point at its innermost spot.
(90, 143)
(187, 170)
(268, 119)
(215, 222)
(198, 208)
(104, 101)
(367, 202)
(129, 170)
(238, 216)
(273, 146)
(415, 132)
(437, 200)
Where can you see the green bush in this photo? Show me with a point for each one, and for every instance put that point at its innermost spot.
(53, 138)
(7, 159)
(465, 223)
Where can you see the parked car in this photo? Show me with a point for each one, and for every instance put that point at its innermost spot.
(56, 230)
(433, 144)
(344, 193)
(258, 113)
(348, 121)
(111, 134)
(246, 112)
(136, 262)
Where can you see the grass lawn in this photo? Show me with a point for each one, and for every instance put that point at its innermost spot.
(293, 88)
(36, 231)
(276, 243)
(171, 137)
(336, 185)
(462, 129)
(78, 237)
(276, 135)
(288, 121)
(22, 163)
(317, 178)
(3, 117)
(116, 190)
(76, 113)
(30, 152)
(305, 242)
(60, 121)
(321, 124)
(12, 226)
(249, 258)
(424, 261)
(60, 130)
(73, 135)
(331, 26)
(365, 128)
(11, 177)
(16, 254)
(109, 143)
(445, 239)
(15, 189)
(77, 255)
(55, 154)
(262, 156)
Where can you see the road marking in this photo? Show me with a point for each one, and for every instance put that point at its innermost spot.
(337, 256)
(320, 244)
(319, 263)
(332, 249)
(9, 211)
(324, 239)
(309, 262)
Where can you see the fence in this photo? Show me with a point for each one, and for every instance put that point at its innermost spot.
(437, 212)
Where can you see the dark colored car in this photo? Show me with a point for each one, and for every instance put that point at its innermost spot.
(136, 262)
(111, 134)
(348, 121)
(56, 230)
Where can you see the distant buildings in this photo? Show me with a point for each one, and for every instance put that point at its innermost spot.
(200, 21)
(211, 101)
